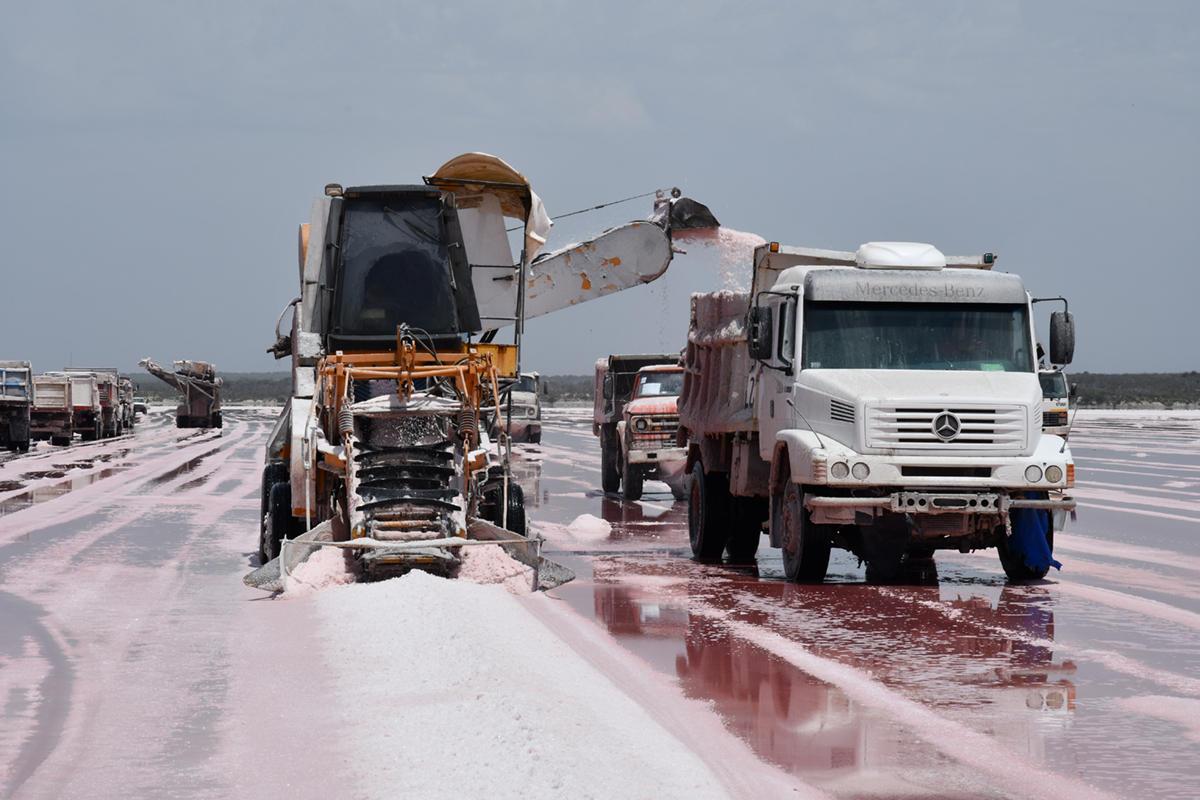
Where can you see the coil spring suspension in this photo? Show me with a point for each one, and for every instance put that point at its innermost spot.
(345, 421)
(468, 424)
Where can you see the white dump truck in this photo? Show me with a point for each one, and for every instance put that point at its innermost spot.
(522, 414)
(15, 396)
(52, 413)
(884, 401)
(1056, 401)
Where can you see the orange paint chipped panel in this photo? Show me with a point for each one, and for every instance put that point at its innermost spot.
(586, 283)
(615, 261)
(612, 287)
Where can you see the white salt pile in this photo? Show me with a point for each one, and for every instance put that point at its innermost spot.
(329, 566)
(588, 527)
(489, 564)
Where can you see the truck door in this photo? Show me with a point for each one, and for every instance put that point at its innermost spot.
(777, 374)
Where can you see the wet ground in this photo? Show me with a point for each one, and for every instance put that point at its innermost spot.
(133, 662)
(951, 683)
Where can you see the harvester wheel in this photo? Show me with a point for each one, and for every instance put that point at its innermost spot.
(272, 474)
(517, 522)
(632, 478)
(280, 522)
(708, 512)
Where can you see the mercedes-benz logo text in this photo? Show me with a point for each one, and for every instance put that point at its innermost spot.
(946, 426)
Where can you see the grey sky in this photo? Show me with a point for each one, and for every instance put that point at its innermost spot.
(157, 158)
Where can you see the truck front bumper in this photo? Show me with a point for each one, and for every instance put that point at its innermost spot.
(907, 502)
(656, 456)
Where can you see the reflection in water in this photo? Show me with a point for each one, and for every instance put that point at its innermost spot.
(41, 494)
(988, 665)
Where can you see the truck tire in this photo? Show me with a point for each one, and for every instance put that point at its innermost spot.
(610, 473)
(749, 514)
(216, 419)
(632, 477)
(280, 522)
(1014, 564)
(272, 475)
(805, 545)
(60, 441)
(181, 421)
(708, 512)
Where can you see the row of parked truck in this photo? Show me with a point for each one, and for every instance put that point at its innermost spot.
(95, 402)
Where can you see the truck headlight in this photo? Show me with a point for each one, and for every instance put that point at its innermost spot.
(1033, 473)
(861, 471)
(641, 424)
(839, 470)
(1053, 474)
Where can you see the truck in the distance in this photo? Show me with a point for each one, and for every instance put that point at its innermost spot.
(1056, 401)
(52, 414)
(884, 401)
(523, 412)
(634, 415)
(15, 396)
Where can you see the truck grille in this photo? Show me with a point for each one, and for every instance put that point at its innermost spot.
(911, 427)
(660, 430)
(1052, 419)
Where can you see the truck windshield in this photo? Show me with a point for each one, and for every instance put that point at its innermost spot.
(1054, 384)
(934, 336)
(527, 384)
(394, 268)
(659, 384)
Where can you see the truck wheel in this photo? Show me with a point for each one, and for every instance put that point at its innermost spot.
(181, 422)
(280, 522)
(535, 438)
(805, 548)
(632, 479)
(272, 475)
(60, 441)
(749, 513)
(1014, 564)
(708, 510)
(610, 475)
(216, 419)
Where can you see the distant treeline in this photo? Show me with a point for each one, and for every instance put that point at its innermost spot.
(260, 388)
(1094, 390)
(1136, 390)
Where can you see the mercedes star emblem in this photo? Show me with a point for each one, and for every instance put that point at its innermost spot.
(946, 426)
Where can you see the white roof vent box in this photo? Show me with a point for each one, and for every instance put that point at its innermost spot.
(899, 255)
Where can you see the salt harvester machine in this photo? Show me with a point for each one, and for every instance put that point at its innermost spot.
(384, 447)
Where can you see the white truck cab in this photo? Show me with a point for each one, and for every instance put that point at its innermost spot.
(887, 401)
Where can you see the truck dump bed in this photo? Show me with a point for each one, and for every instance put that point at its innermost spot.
(716, 365)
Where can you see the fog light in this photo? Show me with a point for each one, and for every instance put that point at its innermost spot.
(861, 471)
(1053, 474)
(1033, 473)
(839, 470)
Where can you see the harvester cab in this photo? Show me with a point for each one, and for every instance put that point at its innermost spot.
(383, 447)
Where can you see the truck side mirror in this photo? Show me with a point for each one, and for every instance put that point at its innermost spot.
(608, 387)
(1062, 337)
(1074, 389)
(546, 389)
(758, 332)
